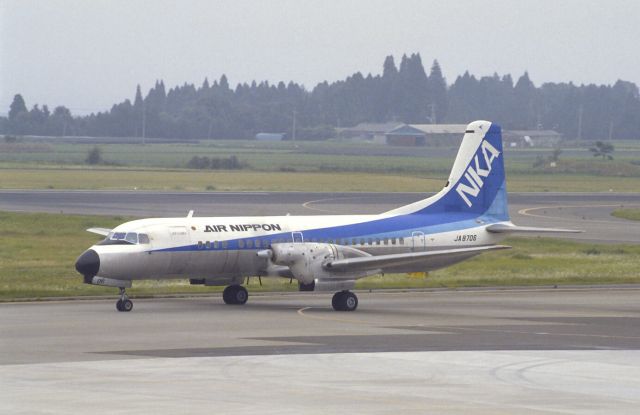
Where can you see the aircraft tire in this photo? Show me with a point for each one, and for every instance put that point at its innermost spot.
(336, 301)
(119, 305)
(344, 301)
(228, 295)
(127, 305)
(350, 301)
(235, 294)
(241, 295)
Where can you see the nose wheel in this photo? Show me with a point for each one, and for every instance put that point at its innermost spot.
(123, 303)
(344, 301)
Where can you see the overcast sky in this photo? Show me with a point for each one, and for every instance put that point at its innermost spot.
(89, 54)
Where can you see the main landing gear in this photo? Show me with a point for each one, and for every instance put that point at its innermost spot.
(235, 294)
(124, 304)
(344, 301)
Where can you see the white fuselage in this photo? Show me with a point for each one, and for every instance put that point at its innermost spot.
(226, 247)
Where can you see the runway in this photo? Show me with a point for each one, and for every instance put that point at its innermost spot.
(525, 351)
(590, 212)
(477, 351)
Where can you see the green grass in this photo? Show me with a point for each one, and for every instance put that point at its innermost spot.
(300, 166)
(37, 253)
(196, 180)
(631, 214)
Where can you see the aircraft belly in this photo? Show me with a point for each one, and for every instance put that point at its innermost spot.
(206, 263)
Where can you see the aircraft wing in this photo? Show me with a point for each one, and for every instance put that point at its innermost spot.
(504, 228)
(99, 231)
(425, 259)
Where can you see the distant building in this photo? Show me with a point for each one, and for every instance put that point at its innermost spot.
(531, 138)
(426, 134)
(369, 131)
(398, 134)
(270, 136)
(405, 135)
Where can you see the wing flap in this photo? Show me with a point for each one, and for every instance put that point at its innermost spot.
(505, 228)
(402, 260)
(99, 231)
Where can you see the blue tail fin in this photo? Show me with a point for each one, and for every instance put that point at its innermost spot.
(476, 185)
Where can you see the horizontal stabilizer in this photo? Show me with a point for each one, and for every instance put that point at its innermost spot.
(401, 260)
(504, 228)
(99, 231)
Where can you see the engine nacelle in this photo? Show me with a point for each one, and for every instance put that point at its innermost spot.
(306, 260)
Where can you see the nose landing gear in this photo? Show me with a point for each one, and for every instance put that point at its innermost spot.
(124, 304)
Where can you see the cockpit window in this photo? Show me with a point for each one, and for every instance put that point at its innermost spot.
(125, 238)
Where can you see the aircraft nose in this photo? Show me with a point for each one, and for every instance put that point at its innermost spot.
(88, 263)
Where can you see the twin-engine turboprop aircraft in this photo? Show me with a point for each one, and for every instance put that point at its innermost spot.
(324, 253)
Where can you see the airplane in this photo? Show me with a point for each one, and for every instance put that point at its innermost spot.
(467, 217)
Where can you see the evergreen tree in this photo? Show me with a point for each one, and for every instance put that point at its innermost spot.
(17, 107)
(437, 93)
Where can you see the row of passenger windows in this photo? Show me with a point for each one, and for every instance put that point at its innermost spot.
(257, 243)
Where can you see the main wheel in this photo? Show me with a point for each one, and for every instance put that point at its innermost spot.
(241, 295)
(344, 301)
(350, 301)
(119, 305)
(228, 294)
(235, 294)
(336, 301)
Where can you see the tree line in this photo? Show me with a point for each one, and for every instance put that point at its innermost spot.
(401, 93)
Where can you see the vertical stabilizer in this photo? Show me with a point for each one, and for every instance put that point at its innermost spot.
(476, 184)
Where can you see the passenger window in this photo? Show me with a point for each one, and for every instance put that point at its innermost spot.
(207, 245)
(362, 241)
(354, 241)
(225, 244)
(143, 238)
(393, 241)
(258, 243)
(240, 243)
(377, 241)
(386, 241)
(370, 241)
(199, 244)
(401, 241)
(215, 244)
(249, 243)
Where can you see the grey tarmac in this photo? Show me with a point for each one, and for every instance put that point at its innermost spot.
(590, 212)
(478, 351)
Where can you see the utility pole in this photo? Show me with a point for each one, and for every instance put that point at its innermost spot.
(293, 135)
(433, 113)
(580, 111)
(144, 123)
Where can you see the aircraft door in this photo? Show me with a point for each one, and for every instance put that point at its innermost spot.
(419, 241)
(179, 237)
(297, 237)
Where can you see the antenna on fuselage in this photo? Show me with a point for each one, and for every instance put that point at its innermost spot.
(190, 214)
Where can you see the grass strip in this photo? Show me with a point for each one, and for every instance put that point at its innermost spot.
(630, 214)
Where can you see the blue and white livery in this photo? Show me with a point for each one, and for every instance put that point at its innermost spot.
(323, 253)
